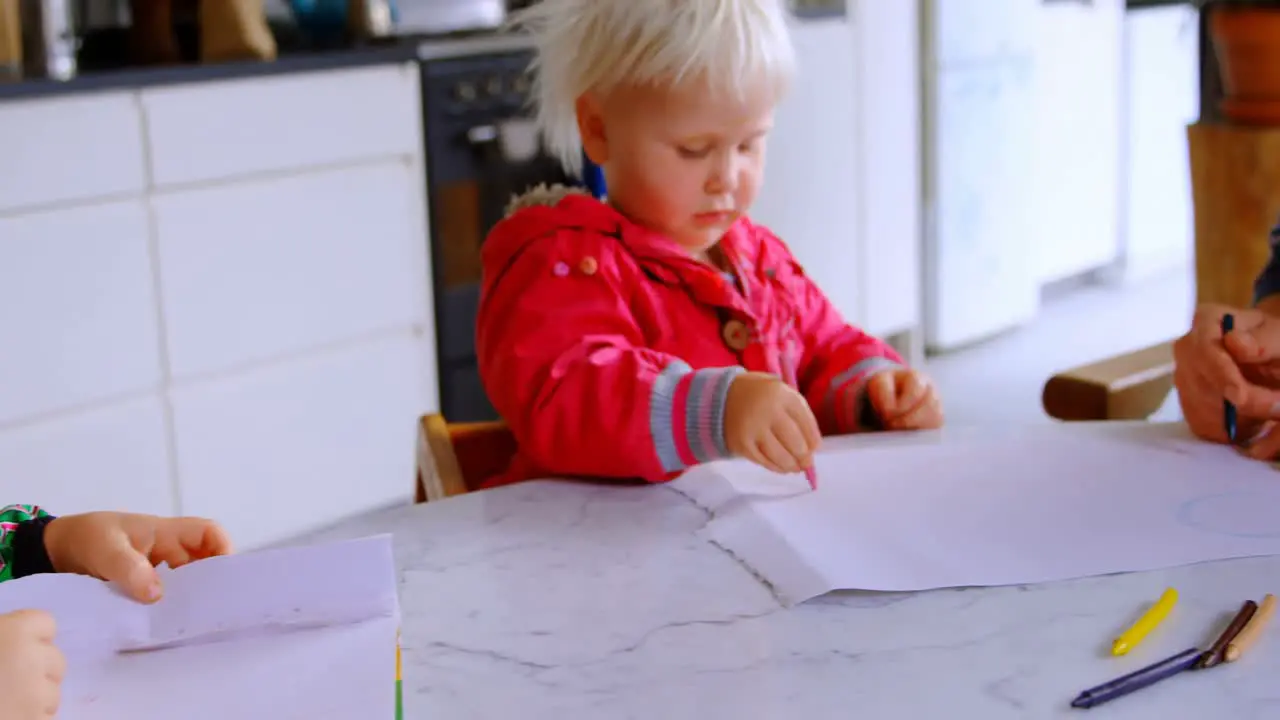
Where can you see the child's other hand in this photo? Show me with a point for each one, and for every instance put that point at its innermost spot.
(767, 422)
(125, 548)
(31, 666)
(904, 399)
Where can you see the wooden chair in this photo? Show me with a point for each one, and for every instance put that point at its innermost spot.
(1235, 181)
(1126, 387)
(456, 458)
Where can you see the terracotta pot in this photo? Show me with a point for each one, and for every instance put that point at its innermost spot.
(1246, 41)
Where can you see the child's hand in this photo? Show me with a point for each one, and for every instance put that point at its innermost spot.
(125, 548)
(31, 667)
(904, 399)
(770, 424)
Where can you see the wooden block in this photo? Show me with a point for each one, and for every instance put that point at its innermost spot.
(1235, 179)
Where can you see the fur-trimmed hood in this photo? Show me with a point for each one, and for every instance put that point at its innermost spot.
(540, 211)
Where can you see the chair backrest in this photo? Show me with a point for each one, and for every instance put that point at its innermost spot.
(457, 458)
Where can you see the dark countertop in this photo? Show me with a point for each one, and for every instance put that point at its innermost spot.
(397, 51)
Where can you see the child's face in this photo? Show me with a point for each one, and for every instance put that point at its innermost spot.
(676, 160)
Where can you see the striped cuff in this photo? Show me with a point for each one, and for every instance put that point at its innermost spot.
(686, 414)
(844, 401)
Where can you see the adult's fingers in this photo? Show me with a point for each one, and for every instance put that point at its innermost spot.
(1255, 342)
(1266, 444)
(1255, 401)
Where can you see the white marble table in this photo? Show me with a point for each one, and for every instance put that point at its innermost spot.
(558, 600)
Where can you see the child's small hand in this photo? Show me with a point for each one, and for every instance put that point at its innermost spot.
(904, 399)
(767, 422)
(31, 666)
(125, 548)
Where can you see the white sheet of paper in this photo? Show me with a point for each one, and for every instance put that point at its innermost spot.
(294, 632)
(979, 507)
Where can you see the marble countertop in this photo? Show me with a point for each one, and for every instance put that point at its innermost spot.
(561, 600)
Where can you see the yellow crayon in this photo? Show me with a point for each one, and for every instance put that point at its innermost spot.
(1145, 624)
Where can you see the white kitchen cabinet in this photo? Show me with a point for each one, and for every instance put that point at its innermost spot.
(289, 447)
(227, 314)
(888, 50)
(1162, 97)
(980, 267)
(263, 268)
(113, 457)
(69, 148)
(213, 131)
(77, 308)
(1077, 140)
(809, 196)
(842, 186)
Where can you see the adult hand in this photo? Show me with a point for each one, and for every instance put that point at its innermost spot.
(125, 548)
(1243, 367)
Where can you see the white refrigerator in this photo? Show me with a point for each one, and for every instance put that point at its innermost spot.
(978, 67)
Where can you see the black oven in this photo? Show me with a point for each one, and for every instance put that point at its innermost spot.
(477, 118)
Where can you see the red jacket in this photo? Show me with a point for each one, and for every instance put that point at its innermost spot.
(609, 351)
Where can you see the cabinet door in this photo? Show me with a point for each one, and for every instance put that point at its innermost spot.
(77, 308)
(69, 148)
(298, 445)
(1078, 75)
(980, 270)
(264, 269)
(889, 59)
(219, 130)
(113, 457)
(809, 197)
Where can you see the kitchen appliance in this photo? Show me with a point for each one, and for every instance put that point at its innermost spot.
(481, 149)
(440, 17)
(49, 39)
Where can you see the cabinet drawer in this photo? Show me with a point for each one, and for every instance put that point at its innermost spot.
(69, 149)
(256, 270)
(290, 448)
(77, 308)
(217, 130)
(109, 458)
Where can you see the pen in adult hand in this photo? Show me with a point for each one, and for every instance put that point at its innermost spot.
(1228, 409)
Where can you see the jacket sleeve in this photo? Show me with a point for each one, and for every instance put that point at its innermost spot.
(836, 361)
(565, 363)
(19, 525)
(1268, 281)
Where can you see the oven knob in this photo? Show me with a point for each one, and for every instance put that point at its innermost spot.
(493, 86)
(520, 84)
(465, 91)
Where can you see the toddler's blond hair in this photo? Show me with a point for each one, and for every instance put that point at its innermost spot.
(598, 45)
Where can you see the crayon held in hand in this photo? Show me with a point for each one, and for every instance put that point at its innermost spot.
(1228, 409)
(1145, 624)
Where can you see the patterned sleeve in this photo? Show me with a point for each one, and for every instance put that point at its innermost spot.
(10, 518)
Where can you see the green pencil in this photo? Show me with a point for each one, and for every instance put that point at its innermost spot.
(399, 687)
